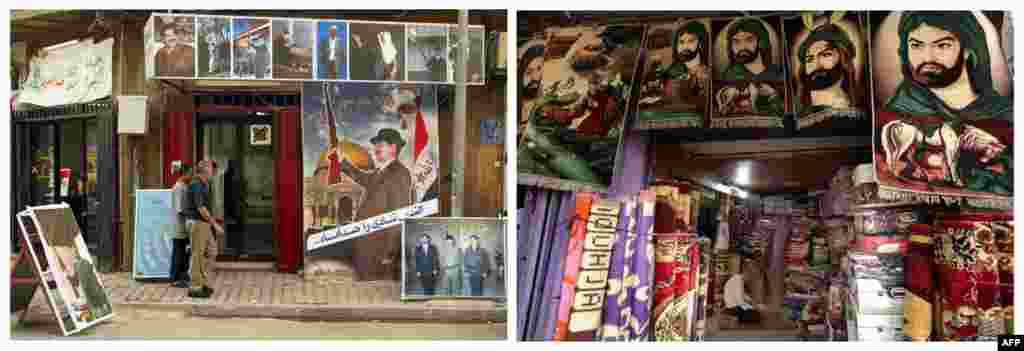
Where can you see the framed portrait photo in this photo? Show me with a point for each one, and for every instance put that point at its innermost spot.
(453, 258)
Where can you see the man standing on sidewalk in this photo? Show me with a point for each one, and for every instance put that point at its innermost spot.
(179, 255)
(200, 221)
(452, 267)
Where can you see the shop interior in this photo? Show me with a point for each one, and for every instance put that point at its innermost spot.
(780, 232)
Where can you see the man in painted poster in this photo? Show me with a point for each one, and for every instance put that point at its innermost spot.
(750, 53)
(948, 82)
(945, 60)
(388, 188)
(452, 267)
(427, 265)
(332, 55)
(827, 71)
(175, 58)
(476, 267)
(686, 79)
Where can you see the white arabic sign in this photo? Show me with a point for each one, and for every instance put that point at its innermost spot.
(370, 225)
(73, 74)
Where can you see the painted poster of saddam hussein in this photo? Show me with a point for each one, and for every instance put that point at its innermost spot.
(575, 126)
(453, 257)
(749, 89)
(677, 78)
(828, 56)
(369, 149)
(943, 116)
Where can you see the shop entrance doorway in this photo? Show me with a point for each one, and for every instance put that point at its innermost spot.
(243, 188)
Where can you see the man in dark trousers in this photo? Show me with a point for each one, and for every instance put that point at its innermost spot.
(427, 264)
(476, 267)
(388, 188)
(199, 222)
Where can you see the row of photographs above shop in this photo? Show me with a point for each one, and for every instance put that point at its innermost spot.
(260, 48)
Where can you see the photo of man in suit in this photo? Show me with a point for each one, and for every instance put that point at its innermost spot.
(427, 265)
(476, 267)
(175, 58)
(452, 267)
(387, 188)
(332, 55)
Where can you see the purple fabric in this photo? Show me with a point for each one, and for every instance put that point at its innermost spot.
(631, 177)
(642, 265)
(616, 300)
(560, 225)
(532, 258)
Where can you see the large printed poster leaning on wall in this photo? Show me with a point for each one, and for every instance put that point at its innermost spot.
(576, 118)
(453, 257)
(943, 116)
(677, 76)
(73, 288)
(749, 88)
(370, 156)
(828, 70)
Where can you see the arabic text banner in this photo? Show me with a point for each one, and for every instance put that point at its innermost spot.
(370, 225)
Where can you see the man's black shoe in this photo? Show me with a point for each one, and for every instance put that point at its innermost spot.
(180, 284)
(199, 294)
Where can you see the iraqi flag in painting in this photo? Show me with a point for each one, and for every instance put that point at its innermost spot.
(425, 171)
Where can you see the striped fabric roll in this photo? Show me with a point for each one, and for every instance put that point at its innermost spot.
(572, 263)
(640, 254)
(613, 328)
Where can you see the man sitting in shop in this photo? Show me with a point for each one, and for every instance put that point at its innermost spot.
(737, 302)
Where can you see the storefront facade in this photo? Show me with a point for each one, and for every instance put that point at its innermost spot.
(78, 139)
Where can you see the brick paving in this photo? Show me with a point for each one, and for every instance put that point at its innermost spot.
(333, 296)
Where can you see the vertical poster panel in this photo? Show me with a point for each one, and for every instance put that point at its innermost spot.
(214, 47)
(427, 59)
(677, 76)
(749, 88)
(475, 74)
(573, 134)
(293, 48)
(377, 51)
(251, 42)
(73, 287)
(828, 70)
(332, 50)
(174, 46)
(370, 152)
(943, 117)
(155, 221)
